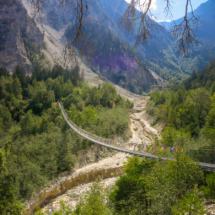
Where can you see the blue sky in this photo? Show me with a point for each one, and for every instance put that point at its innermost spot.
(178, 8)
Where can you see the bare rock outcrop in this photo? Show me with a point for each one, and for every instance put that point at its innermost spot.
(15, 25)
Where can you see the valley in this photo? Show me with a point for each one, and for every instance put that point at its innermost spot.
(115, 86)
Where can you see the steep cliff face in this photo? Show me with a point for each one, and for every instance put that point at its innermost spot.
(15, 26)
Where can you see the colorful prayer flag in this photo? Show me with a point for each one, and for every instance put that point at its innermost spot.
(148, 149)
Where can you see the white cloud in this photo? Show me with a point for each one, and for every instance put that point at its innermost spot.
(153, 18)
(168, 20)
(153, 5)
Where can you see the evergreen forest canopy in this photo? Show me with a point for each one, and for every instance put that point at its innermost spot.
(188, 110)
(36, 144)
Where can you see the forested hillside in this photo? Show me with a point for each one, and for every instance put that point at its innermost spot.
(37, 147)
(189, 112)
(38, 143)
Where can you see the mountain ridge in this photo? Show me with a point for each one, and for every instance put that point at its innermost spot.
(203, 54)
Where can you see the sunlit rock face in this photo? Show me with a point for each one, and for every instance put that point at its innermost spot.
(15, 25)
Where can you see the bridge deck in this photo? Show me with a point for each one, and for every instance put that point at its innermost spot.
(86, 135)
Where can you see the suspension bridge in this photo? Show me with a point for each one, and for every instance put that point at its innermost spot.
(108, 143)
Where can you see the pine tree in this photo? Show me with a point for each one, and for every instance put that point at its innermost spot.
(8, 202)
(209, 190)
(191, 204)
(17, 89)
(213, 88)
(20, 74)
(4, 72)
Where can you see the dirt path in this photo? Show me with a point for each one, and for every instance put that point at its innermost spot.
(142, 131)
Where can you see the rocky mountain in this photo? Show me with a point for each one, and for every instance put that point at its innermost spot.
(114, 58)
(19, 37)
(22, 43)
(159, 54)
(117, 59)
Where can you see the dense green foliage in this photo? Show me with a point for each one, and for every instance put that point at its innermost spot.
(209, 190)
(92, 203)
(191, 204)
(204, 78)
(152, 187)
(42, 144)
(8, 202)
(189, 112)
